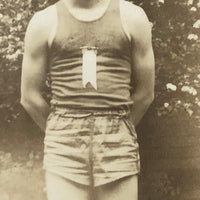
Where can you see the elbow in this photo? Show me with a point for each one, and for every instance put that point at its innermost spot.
(151, 98)
(28, 97)
(31, 100)
(22, 100)
(25, 102)
(145, 100)
(148, 99)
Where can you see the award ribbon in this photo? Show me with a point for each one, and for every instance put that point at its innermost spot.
(89, 65)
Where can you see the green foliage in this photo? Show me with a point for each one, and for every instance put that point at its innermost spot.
(176, 41)
(14, 17)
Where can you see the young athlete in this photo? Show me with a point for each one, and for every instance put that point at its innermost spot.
(100, 60)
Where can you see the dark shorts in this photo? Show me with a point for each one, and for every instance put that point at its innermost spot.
(85, 146)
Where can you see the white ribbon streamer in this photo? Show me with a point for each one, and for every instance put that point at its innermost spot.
(89, 66)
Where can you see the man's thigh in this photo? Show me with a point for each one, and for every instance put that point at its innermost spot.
(125, 188)
(59, 188)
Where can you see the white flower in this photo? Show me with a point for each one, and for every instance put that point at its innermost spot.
(198, 76)
(197, 24)
(193, 91)
(185, 89)
(10, 37)
(171, 86)
(17, 39)
(166, 105)
(189, 90)
(190, 112)
(19, 27)
(190, 2)
(179, 102)
(198, 4)
(1, 16)
(18, 52)
(19, 17)
(161, 1)
(192, 37)
(193, 9)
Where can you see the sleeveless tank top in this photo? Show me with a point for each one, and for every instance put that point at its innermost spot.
(113, 72)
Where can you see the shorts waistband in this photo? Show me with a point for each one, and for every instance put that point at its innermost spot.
(77, 112)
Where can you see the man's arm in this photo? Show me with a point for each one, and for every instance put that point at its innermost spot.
(143, 64)
(34, 69)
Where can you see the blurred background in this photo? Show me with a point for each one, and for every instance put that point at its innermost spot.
(169, 134)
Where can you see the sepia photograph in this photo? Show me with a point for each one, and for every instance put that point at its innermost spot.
(100, 100)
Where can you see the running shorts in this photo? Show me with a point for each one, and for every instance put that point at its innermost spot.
(91, 147)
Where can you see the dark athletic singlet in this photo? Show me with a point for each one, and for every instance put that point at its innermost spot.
(113, 60)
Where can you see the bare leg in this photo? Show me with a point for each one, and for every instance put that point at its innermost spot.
(59, 188)
(125, 188)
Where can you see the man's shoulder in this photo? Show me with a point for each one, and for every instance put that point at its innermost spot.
(41, 24)
(135, 18)
(130, 7)
(133, 13)
(44, 17)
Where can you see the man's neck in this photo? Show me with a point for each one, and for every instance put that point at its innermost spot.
(87, 10)
(84, 3)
